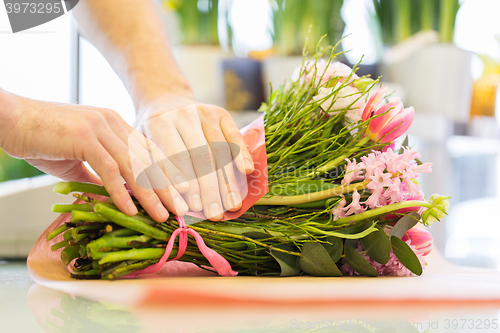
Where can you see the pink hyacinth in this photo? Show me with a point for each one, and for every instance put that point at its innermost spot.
(393, 119)
(353, 172)
(391, 179)
(355, 206)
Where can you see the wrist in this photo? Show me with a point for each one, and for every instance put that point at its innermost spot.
(163, 103)
(161, 89)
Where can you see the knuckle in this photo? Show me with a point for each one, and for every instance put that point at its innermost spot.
(180, 156)
(110, 166)
(202, 158)
(220, 147)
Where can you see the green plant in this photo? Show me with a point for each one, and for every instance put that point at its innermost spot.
(398, 20)
(198, 20)
(12, 168)
(292, 19)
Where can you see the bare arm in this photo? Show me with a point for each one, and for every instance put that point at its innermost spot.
(132, 37)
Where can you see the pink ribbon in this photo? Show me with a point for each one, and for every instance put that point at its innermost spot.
(218, 262)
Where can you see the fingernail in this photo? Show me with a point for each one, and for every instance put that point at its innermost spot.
(215, 210)
(233, 200)
(132, 209)
(248, 164)
(181, 182)
(162, 211)
(180, 206)
(196, 202)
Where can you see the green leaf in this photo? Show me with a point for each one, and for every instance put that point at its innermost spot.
(358, 263)
(351, 242)
(406, 255)
(404, 224)
(404, 144)
(355, 232)
(334, 249)
(257, 235)
(316, 261)
(286, 261)
(378, 246)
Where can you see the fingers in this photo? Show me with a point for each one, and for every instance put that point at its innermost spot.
(178, 155)
(188, 124)
(222, 154)
(156, 192)
(231, 133)
(151, 171)
(107, 168)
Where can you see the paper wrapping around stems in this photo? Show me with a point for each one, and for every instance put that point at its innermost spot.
(46, 265)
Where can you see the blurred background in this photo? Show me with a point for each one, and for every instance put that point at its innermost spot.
(440, 56)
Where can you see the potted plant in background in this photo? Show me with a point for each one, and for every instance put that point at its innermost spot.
(421, 57)
(291, 21)
(197, 48)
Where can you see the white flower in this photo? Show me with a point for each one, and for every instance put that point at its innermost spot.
(333, 70)
(347, 97)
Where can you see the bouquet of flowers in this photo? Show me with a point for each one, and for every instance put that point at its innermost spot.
(342, 199)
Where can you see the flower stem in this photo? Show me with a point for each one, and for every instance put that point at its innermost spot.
(64, 208)
(332, 164)
(245, 238)
(130, 222)
(310, 197)
(56, 232)
(383, 210)
(67, 187)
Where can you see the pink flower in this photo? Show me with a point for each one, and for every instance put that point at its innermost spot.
(379, 180)
(339, 210)
(391, 160)
(393, 119)
(376, 199)
(421, 239)
(371, 162)
(353, 172)
(355, 206)
(393, 192)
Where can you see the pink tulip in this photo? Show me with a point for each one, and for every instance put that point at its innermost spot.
(421, 239)
(388, 126)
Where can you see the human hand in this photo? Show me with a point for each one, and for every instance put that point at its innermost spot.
(181, 127)
(57, 138)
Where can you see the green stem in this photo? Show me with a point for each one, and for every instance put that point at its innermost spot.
(130, 222)
(56, 232)
(77, 216)
(310, 197)
(122, 271)
(68, 187)
(108, 241)
(62, 208)
(383, 210)
(332, 164)
(59, 245)
(245, 238)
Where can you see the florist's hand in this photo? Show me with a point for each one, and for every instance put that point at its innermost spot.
(57, 138)
(195, 138)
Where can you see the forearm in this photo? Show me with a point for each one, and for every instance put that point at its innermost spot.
(132, 37)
